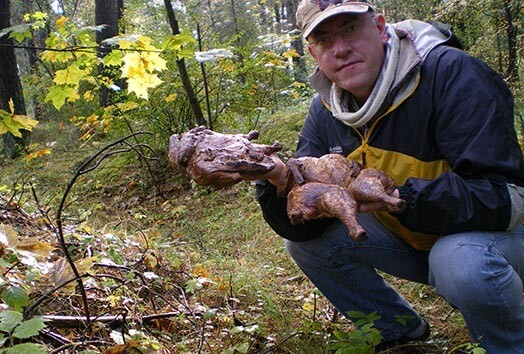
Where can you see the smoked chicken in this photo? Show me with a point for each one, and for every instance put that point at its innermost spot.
(372, 185)
(219, 160)
(333, 186)
(315, 200)
(330, 169)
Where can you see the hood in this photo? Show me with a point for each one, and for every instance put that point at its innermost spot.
(417, 39)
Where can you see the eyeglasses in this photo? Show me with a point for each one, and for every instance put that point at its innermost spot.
(323, 4)
(349, 33)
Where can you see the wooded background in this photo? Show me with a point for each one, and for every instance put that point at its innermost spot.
(261, 66)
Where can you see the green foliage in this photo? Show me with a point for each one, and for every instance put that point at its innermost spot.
(13, 326)
(32, 22)
(362, 340)
(471, 348)
(15, 123)
(14, 296)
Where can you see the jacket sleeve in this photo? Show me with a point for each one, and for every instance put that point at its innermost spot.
(474, 130)
(274, 208)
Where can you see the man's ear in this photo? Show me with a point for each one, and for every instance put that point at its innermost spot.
(380, 22)
(312, 52)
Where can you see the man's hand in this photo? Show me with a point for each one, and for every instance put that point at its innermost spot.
(273, 176)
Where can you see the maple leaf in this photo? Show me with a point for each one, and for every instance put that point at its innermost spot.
(133, 65)
(14, 123)
(140, 85)
(113, 59)
(153, 62)
(139, 70)
(59, 94)
(70, 75)
(26, 122)
(178, 45)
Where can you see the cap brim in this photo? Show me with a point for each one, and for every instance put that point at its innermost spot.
(333, 11)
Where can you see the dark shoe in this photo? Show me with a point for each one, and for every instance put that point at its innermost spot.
(402, 340)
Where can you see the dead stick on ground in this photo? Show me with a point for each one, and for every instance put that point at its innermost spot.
(116, 320)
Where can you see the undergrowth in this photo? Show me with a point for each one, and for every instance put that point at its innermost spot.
(205, 257)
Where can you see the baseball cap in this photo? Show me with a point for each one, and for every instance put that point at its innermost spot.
(310, 13)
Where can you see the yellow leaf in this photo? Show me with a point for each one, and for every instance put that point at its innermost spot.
(15, 123)
(151, 261)
(125, 44)
(39, 15)
(27, 122)
(39, 249)
(60, 22)
(85, 264)
(114, 300)
(292, 53)
(89, 96)
(11, 106)
(171, 98)
(37, 154)
(74, 96)
(307, 306)
(140, 85)
(144, 42)
(201, 271)
(70, 75)
(153, 62)
(133, 65)
(127, 106)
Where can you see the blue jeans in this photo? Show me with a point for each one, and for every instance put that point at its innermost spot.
(480, 273)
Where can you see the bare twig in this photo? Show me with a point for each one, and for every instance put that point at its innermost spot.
(84, 168)
(28, 311)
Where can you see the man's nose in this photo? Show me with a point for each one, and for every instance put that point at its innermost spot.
(340, 47)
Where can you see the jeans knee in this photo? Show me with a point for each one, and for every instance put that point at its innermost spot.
(458, 272)
(296, 251)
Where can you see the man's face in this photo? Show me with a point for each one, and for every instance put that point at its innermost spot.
(350, 51)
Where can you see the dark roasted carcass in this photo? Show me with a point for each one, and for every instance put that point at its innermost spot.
(316, 200)
(330, 169)
(334, 186)
(372, 186)
(219, 160)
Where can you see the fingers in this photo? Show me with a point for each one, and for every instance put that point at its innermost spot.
(273, 176)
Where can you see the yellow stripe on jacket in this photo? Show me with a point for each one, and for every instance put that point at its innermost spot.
(400, 167)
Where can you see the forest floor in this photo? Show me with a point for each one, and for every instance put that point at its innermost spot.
(169, 269)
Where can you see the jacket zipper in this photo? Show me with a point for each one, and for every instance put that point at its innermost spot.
(365, 138)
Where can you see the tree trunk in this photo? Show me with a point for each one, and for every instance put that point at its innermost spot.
(34, 105)
(10, 86)
(107, 13)
(301, 74)
(182, 70)
(512, 71)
